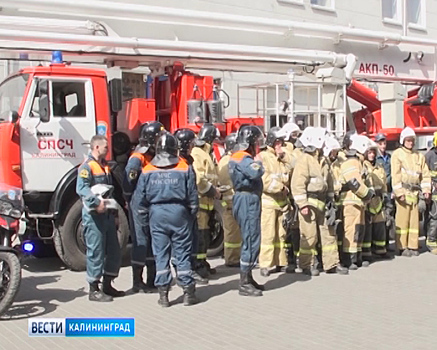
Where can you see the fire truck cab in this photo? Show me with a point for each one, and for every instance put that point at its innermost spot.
(48, 114)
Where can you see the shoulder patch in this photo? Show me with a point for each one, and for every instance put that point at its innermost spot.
(133, 174)
(84, 173)
(255, 166)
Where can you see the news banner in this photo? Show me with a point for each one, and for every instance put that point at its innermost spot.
(81, 327)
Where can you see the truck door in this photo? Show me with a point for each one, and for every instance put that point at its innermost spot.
(53, 145)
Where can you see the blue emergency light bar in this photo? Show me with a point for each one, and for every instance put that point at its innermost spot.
(57, 57)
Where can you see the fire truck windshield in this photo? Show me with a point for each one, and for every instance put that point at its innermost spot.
(11, 94)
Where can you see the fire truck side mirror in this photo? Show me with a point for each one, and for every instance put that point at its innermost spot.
(116, 95)
(13, 117)
(44, 101)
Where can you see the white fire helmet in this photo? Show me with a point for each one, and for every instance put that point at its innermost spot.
(331, 144)
(372, 145)
(360, 143)
(288, 129)
(407, 132)
(314, 137)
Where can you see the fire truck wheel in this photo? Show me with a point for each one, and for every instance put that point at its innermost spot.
(69, 241)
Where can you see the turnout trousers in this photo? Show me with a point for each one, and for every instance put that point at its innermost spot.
(313, 229)
(232, 236)
(204, 232)
(407, 225)
(374, 235)
(353, 225)
(273, 239)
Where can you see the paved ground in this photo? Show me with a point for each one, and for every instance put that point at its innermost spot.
(389, 305)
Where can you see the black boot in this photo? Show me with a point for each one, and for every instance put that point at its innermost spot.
(96, 294)
(254, 283)
(341, 270)
(210, 270)
(202, 271)
(109, 289)
(246, 288)
(189, 295)
(311, 271)
(138, 284)
(151, 274)
(353, 262)
(199, 279)
(163, 296)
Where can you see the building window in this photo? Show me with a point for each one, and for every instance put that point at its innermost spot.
(328, 5)
(392, 11)
(416, 13)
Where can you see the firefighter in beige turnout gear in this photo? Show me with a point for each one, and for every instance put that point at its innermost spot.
(354, 195)
(376, 179)
(330, 171)
(274, 204)
(290, 132)
(232, 237)
(206, 180)
(310, 189)
(410, 175)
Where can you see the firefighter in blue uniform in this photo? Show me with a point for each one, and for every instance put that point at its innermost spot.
(100, 232)
(167, 190)
(141, 253)
(246, 175)
(186, 138)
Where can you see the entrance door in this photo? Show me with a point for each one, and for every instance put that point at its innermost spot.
(50, 149)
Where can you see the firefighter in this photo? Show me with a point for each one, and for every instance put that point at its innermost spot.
(206, 179)
(310, 190)
(374, 243)
(410, 176)
(292, 149)
(232, 237)
(332, 166)
(274, 204)
(167, 190)
(246, 174)
(384, 159)
(431, 161)
(99, 228)
(186, 138)
(141, 253)
(331, 173)
(353, 197)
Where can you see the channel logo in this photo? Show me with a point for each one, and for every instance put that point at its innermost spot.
(81, 327)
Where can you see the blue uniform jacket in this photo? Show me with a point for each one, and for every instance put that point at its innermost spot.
(168, 185)
(246, 174)
(385, 161)
(91, 173)
(132, 172)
